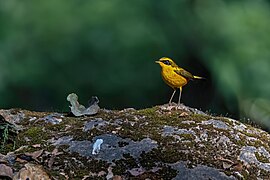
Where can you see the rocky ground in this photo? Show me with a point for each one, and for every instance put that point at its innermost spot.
(163, 142)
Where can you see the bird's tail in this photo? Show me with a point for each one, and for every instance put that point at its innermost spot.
(198, 77)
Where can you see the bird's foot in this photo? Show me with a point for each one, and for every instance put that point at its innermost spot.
(172, 104)
(180, 106)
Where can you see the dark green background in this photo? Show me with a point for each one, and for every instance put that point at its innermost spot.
(107, 48)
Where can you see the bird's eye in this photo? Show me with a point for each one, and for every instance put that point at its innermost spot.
(167, 62)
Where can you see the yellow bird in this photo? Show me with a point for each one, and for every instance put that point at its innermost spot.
(174, 76)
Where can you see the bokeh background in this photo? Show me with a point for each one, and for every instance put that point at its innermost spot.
(106, 48)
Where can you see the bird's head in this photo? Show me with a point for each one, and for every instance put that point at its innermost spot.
(166, 62)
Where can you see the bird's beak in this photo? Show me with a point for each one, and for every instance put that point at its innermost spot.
(157, 62)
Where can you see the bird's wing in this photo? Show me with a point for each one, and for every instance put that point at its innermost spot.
(184, 73)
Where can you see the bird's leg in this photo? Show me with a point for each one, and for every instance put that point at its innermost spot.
(172, 96)
(180, 96)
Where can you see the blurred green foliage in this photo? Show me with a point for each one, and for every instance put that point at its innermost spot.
(51, 48)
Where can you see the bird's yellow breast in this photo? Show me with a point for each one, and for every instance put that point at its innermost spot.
(172, 78)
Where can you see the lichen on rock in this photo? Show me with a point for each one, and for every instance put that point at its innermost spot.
(163, 142)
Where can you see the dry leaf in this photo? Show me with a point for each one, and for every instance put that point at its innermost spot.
(117, 177)
(6, 171)
(2, 158)
(36, 145)
(21, 160)
(101, 173)
(238, 167)
(35, 154)
(21, 148)
(63, 174)
(136, 171)
(54, 154)
(55, 151)
(50, 162)
(226, 165)
(32, 171)
(183, 114)
(110, 173)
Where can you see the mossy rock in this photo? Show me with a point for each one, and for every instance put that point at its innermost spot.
(163, 142)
